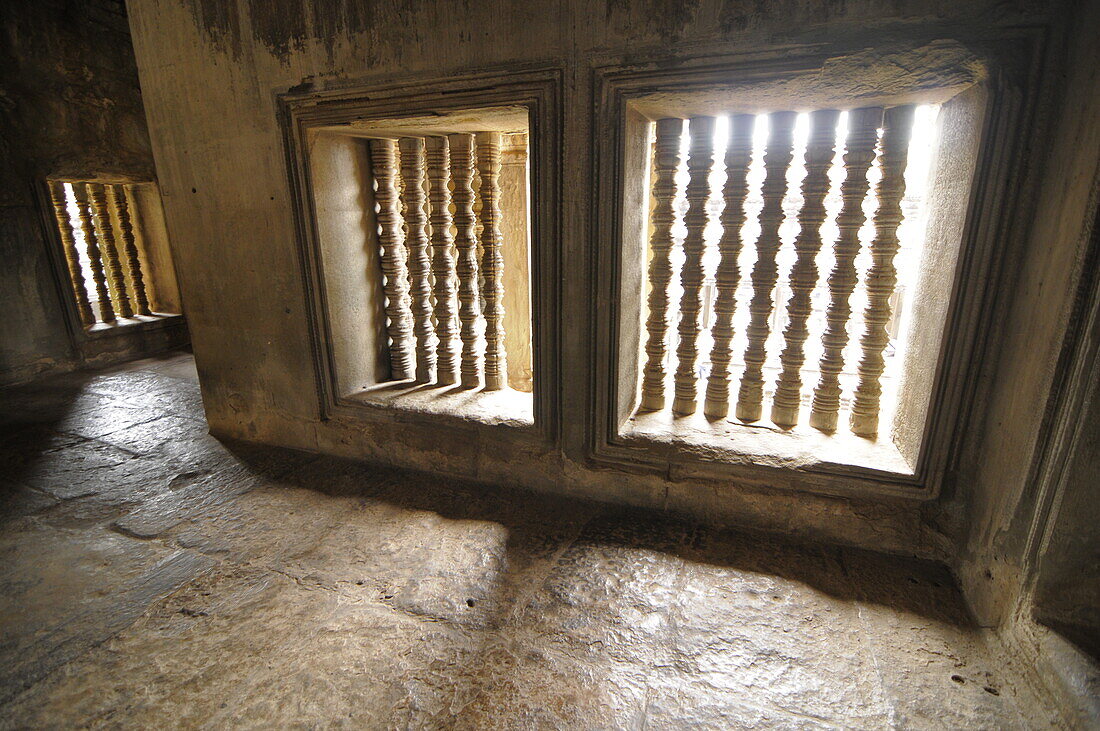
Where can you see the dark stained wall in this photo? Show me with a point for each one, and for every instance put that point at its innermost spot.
(69, 106)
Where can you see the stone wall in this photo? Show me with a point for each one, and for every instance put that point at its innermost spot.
(69, 106)
(1001, 493)
(211, 73)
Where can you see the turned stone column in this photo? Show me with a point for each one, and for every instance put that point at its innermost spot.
(420, 264)
(897, 126)
(443, 262)
(700, 160)
(492, 260)
(462, 172)
(104, 225)
(858, 156)
(116, 196)
(815, 186)
(391, 237)
(72, 257)
(728, 275)
(95, 258)
(666, 159)
(777, 158)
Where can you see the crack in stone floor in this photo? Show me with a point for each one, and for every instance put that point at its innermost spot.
(152, 575)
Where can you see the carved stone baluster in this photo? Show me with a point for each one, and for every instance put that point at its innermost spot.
(110, 251)
(700, 160)
(858, 156)
(765, 272)
(666, 159)
(72, 257)
(95, 259)
(420, 264)
(819, 158)
(443, 263)
(897, 127)
(391, 236)
(492, 260)
(462, 172)
(728, 275)
(116, 196)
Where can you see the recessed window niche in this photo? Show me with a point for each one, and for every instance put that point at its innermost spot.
(115, 251)
(422, 242)
(783, 285)
(789, 246)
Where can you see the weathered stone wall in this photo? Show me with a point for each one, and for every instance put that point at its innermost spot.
(1000, 493)
(1067, 592)
(210, 74)
(69, 106)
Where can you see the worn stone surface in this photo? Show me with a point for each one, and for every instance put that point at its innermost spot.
(153, 576)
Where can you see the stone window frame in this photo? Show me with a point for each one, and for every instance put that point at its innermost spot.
(1006, 119)
(539, 91)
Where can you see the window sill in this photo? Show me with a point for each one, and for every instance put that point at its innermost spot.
(492, 408)
(731, 442)
(131, 324)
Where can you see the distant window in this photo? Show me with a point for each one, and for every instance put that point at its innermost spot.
(103, 240)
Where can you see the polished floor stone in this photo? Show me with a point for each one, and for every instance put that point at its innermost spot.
(153, 576)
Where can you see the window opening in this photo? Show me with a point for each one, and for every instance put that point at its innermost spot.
(100, 240)
(441, 231)
(783, 249)
(422, 231)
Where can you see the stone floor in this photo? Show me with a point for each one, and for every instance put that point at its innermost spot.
(153, 576)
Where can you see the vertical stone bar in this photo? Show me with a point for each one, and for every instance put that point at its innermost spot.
(777, 158)
(116, 196)
(517, 293)
(95, 258)
(110, 251)
(897, 127)
(666, 159)
(858, 155)
(420, 263)
(443, 263)
(728, 275)
(700, 161)
(462, 172)
(492, 260)
(72, 257)
(391, 237)
(820, 149)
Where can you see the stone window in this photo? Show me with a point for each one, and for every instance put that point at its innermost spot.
(116, 261)
(782, 254)
(422, 245)
(424, 222)
(785, 246)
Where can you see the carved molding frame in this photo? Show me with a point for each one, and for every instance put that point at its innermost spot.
(537, 89)
(993, 231)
